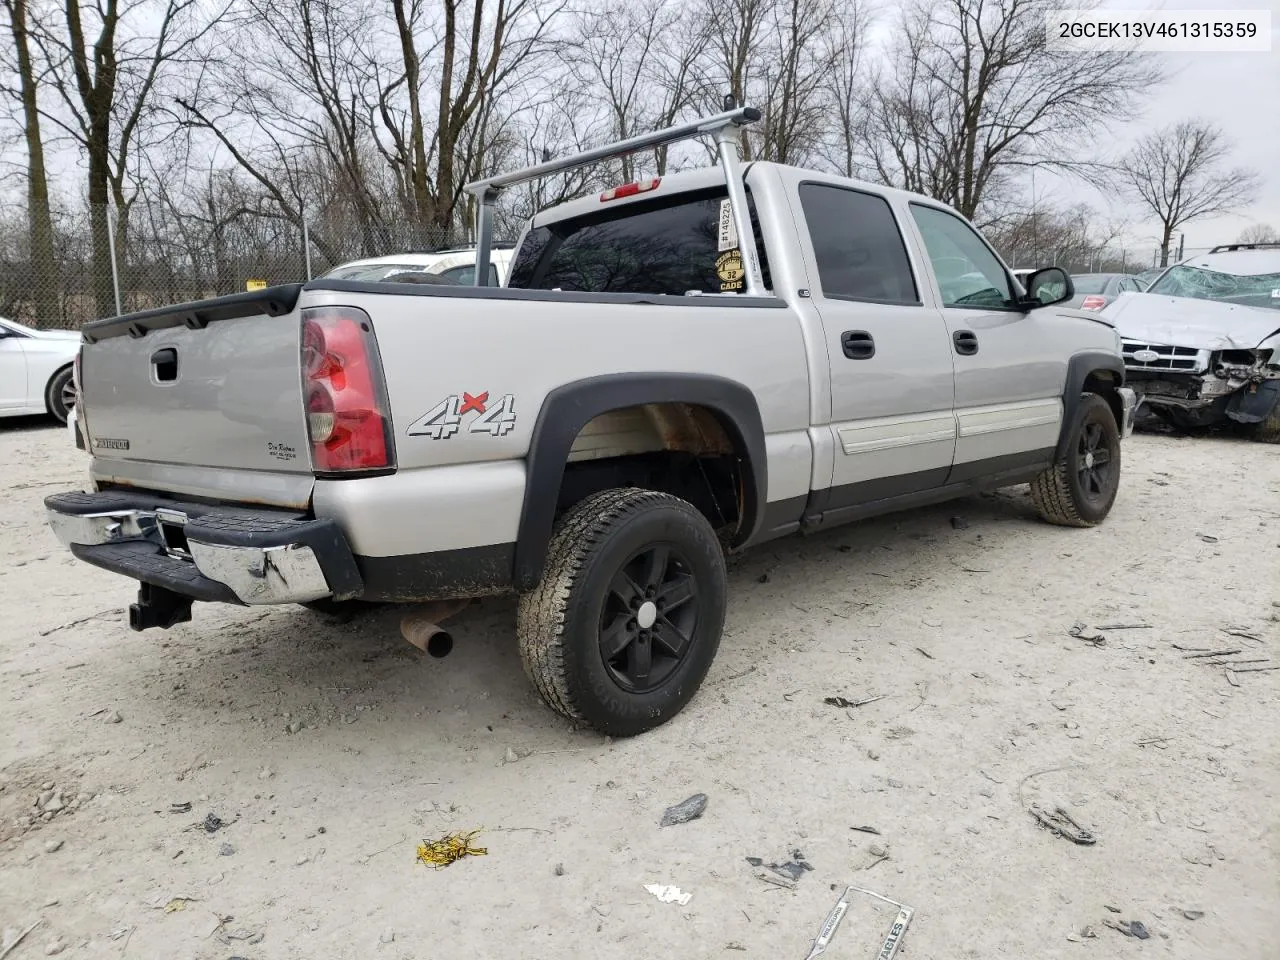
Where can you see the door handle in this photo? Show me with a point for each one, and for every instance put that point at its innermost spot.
(164, 363)
(858, 344)
(966, 342)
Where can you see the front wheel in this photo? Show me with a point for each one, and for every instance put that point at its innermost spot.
(1079, 490)
(621, 630)
(60, 394)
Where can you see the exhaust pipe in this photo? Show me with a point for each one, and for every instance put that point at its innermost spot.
(421, 626)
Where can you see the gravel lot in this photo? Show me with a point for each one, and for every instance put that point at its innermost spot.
(961, 627)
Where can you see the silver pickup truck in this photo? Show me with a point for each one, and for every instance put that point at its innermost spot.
(645, 394)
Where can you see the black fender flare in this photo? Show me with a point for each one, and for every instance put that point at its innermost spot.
(1079, 369)
(571, 406)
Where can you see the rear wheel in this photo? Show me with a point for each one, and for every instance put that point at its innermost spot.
(621, 630)
(60, 394)
(1079, 490)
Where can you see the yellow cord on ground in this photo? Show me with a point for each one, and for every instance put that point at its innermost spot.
(440, 853)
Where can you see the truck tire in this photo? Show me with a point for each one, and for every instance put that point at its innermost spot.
(1079, 489)
(623, 626)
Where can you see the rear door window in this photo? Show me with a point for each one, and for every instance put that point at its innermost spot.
(669, 245)
(858, 246)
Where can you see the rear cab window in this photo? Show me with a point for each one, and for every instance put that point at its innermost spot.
(670, 245)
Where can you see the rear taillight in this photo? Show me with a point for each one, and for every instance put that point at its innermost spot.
(348, 419)
(1093, 302)
(631, 189)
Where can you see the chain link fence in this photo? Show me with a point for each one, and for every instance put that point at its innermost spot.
(1106, 260)
(151, 258)
(162, 258)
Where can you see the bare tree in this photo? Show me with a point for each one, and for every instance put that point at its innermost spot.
(778, 56)
(105, 69)
(974, 91)
(636, 61)
(1259, 233)
(39, 217)
(299, 123)
(1078, 238)
(795, 69)
(481, 50)
(844, 48)
(1178, 173)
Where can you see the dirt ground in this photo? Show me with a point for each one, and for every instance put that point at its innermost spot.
(961, 627)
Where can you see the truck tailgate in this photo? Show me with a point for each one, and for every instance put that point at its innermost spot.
(214, 385)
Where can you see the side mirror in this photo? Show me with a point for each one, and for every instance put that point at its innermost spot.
(1049, 286)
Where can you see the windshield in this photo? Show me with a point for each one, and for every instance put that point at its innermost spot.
(17, 327)
(373, 271)
(1262, 290)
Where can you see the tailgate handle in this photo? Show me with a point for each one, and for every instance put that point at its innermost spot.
(165, 364)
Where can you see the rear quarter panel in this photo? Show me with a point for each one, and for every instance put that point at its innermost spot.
(436, 347)
(466, 489)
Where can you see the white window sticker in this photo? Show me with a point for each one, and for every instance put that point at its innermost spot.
(1275, 294)
(728, 229)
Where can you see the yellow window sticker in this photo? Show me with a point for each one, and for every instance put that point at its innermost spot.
(729, 270)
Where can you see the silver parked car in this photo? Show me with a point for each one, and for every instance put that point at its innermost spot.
(1094, 291)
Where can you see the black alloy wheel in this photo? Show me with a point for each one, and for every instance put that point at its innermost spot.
(648, 619)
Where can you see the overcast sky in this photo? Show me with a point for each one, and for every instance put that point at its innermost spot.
(1236, 90)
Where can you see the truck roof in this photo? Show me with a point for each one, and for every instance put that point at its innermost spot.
(698, 179)
(1243, 260)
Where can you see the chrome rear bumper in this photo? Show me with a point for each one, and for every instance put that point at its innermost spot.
(207, 553)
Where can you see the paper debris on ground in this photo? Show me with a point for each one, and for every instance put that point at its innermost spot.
(668, 894)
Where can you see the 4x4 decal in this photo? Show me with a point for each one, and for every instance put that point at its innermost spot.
(445, 419)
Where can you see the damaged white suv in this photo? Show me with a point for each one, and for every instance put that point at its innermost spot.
(1202, 344)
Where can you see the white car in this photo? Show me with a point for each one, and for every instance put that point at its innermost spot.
(1202, 344)
(36, 370)
(458, 265)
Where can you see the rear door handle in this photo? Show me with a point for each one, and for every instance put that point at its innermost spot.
(858, 344)
(966, 342)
